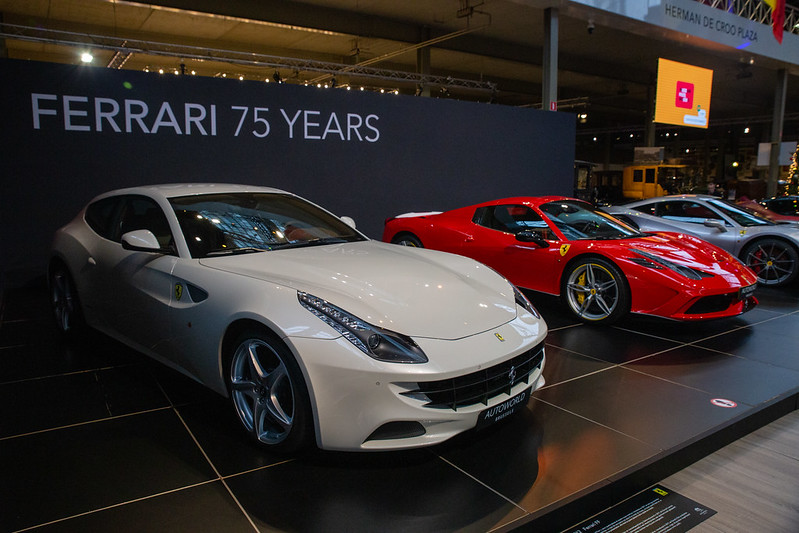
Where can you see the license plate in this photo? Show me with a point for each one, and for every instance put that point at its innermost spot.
(503, 410)
(745, 292)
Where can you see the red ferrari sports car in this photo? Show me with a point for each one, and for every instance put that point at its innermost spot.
(600, 267)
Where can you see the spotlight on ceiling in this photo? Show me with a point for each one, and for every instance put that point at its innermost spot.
(86, 57)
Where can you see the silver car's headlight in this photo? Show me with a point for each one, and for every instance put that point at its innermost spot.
(376, 342)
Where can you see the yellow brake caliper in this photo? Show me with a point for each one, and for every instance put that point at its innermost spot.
(581, 282)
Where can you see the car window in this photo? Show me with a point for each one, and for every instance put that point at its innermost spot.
(100, 216)
(649, 209)
(789, 206)
(686, 211)
(784, 206)
(512, 218)
(781, 206)
(140, 212)
(219, 224)
(580, 221)
(741, 215)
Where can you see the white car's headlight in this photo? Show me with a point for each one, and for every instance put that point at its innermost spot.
(376, 342)
(522, 301)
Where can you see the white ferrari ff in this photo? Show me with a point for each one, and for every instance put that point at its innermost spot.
(314, 331)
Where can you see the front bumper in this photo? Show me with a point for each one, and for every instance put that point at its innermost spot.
(363, 404)
(662, 293)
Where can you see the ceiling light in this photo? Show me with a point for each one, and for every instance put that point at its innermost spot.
(86, 57)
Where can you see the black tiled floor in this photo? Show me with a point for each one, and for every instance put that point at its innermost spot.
(73, 470)
(407, 492)
(613, 345)
(639, 406)
(205, 507)
(720, 375)
(95, 437)
(545, 455)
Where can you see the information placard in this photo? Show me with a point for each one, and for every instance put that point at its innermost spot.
(655, 510)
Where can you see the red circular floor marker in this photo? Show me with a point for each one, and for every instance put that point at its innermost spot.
(721, 402)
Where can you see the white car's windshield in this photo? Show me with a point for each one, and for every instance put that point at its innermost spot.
(578, 220)
(229, 223)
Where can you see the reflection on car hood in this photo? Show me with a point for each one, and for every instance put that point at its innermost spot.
(690, 251)
(416, 292)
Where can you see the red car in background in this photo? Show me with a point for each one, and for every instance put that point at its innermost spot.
(600, 267)
(780, 209)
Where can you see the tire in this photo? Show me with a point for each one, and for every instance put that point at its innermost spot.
(64, 301)
(407, 239)
(775, 262)
(268, 392)
(595, 291)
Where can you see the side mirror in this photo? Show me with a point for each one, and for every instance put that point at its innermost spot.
(533, 237)
(348, 221)
(717, 224)
(141, 240)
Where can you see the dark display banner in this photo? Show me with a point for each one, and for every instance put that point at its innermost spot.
(71, 132)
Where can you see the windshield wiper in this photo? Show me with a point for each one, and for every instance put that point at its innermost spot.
(313, 242)
(236, 251)
(618, 237)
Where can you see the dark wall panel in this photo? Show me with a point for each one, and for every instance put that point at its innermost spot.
(71, 132)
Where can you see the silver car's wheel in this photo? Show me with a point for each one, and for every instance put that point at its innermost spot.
(268, 392)
(774, 261)
(595, 291)
(407, 239)
(64, 300)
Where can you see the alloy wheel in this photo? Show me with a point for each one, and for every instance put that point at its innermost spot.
(262, 391)
(592, 292)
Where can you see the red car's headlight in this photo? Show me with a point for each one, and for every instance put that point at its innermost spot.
(652, 261)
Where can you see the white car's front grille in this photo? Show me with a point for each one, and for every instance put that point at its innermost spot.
(479, 387)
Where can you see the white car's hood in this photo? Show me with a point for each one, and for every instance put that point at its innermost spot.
(421, 293)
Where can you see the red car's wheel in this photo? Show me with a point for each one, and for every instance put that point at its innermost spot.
(596, 291)
(407, 239)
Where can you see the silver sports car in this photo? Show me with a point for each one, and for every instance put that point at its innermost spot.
(770, 249)
(315, 332)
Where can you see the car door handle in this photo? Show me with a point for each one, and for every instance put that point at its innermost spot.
(468, 238)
